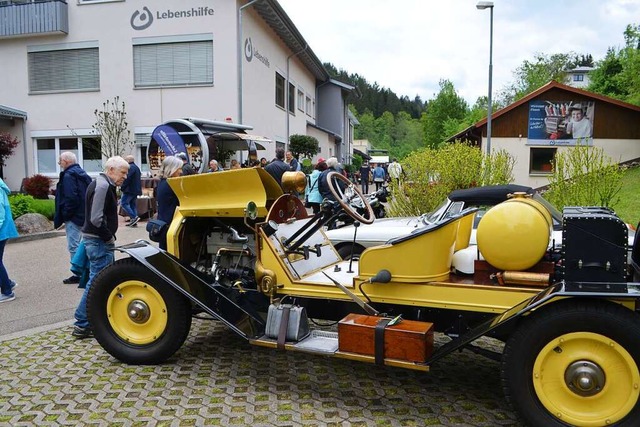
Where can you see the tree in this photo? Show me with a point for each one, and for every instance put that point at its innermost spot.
(446, 105)
(112, 127)
(8, 145)
(532, 75)
(303, 145)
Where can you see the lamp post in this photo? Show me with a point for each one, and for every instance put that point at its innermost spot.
(489, 5)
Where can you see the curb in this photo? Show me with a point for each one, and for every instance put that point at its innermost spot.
(37, 236)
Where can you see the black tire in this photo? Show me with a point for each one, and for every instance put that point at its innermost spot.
(164, 314)
(544, 358)
(345, 251)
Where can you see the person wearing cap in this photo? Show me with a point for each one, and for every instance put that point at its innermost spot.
(187, 169)
(579, 126)
(365, 177)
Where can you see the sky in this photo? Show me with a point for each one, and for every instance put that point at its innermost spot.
(408, 46)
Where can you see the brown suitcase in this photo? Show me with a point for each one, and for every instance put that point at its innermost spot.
(408, 340)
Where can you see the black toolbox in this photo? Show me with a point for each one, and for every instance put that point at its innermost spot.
(594, 249)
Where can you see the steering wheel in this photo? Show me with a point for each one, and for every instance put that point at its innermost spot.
(345, 192)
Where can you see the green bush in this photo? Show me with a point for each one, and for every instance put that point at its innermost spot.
(44, 207)
(584, 176)
(20, 204)
(431, 174)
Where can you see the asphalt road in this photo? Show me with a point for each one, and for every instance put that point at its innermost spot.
(38, 266)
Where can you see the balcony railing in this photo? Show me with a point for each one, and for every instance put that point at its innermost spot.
(31, 18)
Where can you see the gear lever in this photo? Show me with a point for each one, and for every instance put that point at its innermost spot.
(356, 224)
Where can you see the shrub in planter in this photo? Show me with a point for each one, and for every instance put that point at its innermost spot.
(37, 186)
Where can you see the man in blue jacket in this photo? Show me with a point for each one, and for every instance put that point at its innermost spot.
(131, 188)
(70, 192)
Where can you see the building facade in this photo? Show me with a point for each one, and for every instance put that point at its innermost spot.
(225, 60)
(558, 117)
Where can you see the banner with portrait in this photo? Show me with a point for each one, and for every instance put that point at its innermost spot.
(560, 123)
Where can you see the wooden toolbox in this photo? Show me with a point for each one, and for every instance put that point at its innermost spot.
(408, 340)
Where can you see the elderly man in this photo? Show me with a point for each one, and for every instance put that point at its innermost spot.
(293, 163)
(70, 191)
(99, 230)
(131, 188)
(187, 169)
(213, 166)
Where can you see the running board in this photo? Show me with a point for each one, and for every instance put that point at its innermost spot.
(325, 343)
(210, 297)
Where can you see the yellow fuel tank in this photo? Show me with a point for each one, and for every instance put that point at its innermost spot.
(514, 235)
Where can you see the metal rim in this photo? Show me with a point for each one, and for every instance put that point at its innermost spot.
(586, 379)
(137, 312)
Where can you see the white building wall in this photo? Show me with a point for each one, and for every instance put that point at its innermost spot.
(109, 24)
(620, 150)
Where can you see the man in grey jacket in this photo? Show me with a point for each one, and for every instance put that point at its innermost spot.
(99, 230)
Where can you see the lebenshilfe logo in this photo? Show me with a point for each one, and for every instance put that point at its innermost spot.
(144, 19)
(250, 52)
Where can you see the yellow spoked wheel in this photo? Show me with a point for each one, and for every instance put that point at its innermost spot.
(575, 362)
(137, 312)
(586, 379)
(135, 315)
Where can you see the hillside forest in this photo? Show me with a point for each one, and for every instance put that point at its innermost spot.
(402, 125)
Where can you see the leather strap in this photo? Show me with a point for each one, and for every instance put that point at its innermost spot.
(379, 340)
(284, 325)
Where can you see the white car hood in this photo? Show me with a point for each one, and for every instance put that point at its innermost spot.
(381, 230)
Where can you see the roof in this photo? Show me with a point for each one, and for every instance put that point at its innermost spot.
(487, 195)
(12, 113)
(552, 84)
(275, 16)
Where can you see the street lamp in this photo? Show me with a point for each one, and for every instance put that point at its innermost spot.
(489, 5)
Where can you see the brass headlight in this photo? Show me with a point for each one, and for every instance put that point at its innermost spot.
(294, 181)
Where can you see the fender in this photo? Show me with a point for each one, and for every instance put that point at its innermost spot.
(561, 290)
(212, 298)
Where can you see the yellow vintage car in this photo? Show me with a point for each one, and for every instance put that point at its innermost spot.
(247, 253)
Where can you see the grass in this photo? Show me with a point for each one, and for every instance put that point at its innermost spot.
(628, 207)
(46, 207)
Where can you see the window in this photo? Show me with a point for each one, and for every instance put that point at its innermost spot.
(52, 69)
(578, 77)
(541, 160)
(300, 100)
(173, 61)
(280, 145)
(292, 98)
(307, 106)
(279, 90)
(87, 151)
(142, 144)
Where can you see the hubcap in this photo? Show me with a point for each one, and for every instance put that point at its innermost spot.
(139, 311)
(585, 378)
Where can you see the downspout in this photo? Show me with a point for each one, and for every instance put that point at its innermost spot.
(240, 62)
(286, 92)
(24, 147)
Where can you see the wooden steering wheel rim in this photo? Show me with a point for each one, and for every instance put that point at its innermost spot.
(344, 203)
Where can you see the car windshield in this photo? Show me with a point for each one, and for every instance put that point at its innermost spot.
(435, 215)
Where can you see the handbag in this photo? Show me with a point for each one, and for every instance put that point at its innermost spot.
(156, 229)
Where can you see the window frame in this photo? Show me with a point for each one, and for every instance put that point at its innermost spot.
(66, 62)
(144, 49)
(300, 100)
(57, 150)
(280, 90)
(539, 151)
(291, 98)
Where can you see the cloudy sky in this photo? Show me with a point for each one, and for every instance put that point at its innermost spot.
(408, 46)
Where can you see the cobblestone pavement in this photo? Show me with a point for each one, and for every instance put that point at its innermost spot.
(217, 378)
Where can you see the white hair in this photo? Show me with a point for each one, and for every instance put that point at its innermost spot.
(115, 162)
(69, 157)
(332, 162)
(169, 166)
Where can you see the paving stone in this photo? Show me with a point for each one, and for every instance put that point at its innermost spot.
(217, 378)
